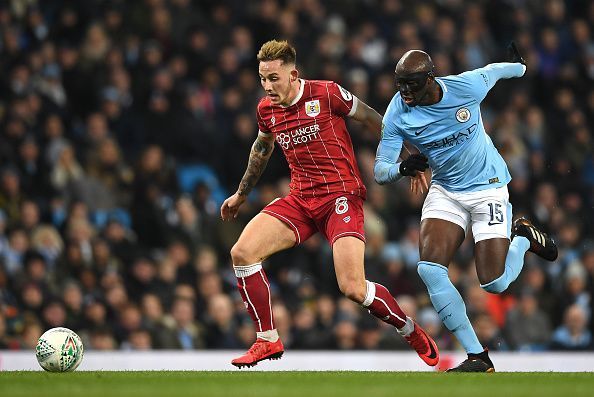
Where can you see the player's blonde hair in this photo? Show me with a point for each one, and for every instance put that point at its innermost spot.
(273, 50)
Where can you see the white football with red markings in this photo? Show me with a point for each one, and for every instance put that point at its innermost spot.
(59, 350)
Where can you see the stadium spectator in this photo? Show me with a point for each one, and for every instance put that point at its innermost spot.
(181, 331)
(527, 328)
(220, 326)
(32, 330)
(138, 339)
(489, 333)
(573, 334)
(73, 301)
(101, 339)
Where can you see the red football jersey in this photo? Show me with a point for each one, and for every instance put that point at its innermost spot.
(314, 138)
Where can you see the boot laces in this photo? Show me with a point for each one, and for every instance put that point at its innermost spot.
(258, 348)
(417, 341)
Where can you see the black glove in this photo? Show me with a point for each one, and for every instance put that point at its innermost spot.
(513, 55)
(414, 162)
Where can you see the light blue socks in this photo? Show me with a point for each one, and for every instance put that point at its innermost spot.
(513, 266)
(449, 304)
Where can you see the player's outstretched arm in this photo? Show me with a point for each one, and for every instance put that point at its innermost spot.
(481, 81)
(259, 156)
(369, 117)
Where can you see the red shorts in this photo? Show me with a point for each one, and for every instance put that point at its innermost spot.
(335, 215)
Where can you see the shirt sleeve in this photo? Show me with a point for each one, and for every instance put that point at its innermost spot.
(480, 81)
(261, 124)
(342, 102)
(386, 168)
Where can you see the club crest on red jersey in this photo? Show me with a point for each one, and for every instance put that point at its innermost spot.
(312, 108)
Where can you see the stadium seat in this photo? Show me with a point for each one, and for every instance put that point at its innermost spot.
(190, 175)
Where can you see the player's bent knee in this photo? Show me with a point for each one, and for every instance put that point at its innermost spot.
(354, 292)
(240, 256)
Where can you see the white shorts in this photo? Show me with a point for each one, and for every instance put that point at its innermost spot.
(488, 211)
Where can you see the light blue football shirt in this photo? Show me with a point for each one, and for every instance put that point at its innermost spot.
(450, 133)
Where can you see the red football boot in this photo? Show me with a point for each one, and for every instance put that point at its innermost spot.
(424, 345)
(260, 350)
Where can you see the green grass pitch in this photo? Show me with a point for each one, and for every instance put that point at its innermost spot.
(298, 384)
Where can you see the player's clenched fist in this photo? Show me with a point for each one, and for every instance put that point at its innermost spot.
(415, 163)
(231, 206)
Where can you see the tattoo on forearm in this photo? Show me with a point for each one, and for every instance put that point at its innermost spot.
(259, 155)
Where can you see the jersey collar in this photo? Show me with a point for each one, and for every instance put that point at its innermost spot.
(443, 87)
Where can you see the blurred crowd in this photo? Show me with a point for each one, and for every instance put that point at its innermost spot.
(125, 123)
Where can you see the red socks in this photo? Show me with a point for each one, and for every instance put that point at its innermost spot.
(254, 288)
(382, 305)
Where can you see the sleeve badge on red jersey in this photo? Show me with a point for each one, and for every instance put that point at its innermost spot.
(345, 94)
(312, 108)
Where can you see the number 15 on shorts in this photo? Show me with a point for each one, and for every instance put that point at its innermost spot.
(496, 214)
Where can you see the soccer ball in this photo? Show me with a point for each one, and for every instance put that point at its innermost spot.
(59, 350)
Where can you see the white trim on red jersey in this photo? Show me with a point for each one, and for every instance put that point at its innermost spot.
(354, 108)
(299, 94)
